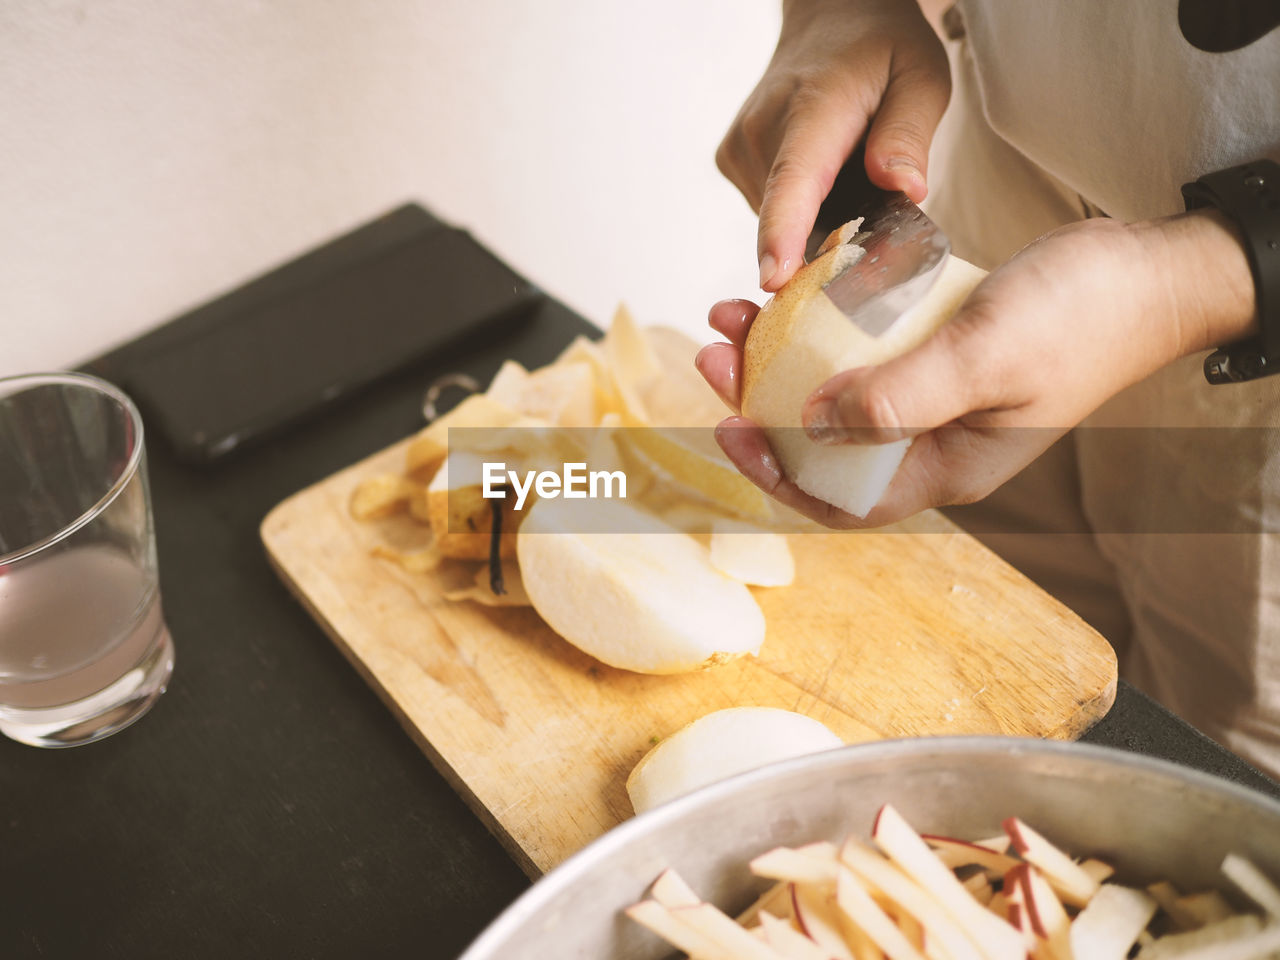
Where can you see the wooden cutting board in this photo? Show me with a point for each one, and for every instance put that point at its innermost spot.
(916, 632)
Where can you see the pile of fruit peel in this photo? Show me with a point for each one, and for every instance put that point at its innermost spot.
(631, 402)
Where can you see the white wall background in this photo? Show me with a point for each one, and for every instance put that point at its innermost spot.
(155, 153)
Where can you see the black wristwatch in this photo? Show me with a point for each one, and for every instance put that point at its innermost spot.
(1249, 196)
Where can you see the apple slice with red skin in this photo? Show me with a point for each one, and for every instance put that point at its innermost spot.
(815, 913)
(721, 929)
(795, 866)
(881, 875)
(776, 900)
(996, 844)
(979, 888)
(822, 848)
(863, 947)
(1048, 918)
(999, 905)
(911, 928)
(961, 853)
(670, 890)
(1072, 883)
(788, 941)
(994, 938)
(1016, 912)
(696, 943)
(678, 916)
(861, 910)
(1102, 872)
(1021, 921)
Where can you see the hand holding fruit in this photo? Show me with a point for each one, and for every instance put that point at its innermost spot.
(1044, 340)
(836, 66)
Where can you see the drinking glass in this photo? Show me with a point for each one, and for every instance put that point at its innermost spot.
(84, 650)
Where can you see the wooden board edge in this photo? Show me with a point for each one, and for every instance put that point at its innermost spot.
(477, 807)
(1090, 709)
(1090, 712)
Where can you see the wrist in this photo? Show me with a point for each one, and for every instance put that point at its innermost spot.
(1207, 288)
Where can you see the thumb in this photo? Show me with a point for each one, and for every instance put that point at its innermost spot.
(813, 148)
(924, 388)
(899, 138)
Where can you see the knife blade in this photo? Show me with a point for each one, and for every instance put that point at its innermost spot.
(905, 250)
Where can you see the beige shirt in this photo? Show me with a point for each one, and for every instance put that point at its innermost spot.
(1063, 108)
(1112, 100)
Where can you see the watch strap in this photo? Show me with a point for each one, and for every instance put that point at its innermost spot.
(1249, 196)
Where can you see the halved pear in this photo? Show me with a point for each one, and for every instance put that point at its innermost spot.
(616, 582)
(719, 745)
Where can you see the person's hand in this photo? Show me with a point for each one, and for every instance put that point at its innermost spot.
(837, 65)
(1040, 343)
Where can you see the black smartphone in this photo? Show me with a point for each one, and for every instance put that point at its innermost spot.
(287, 344)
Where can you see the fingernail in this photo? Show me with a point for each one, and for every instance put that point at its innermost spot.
(730, 374)
(823, 423)
(907, 166)
(698, 357)
(902, 163)
(768, 267)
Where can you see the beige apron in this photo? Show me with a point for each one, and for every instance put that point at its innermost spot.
(1064, 109)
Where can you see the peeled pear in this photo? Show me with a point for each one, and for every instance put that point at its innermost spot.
(801, 339)
(719, 745)
(756, 557)
(632, 591)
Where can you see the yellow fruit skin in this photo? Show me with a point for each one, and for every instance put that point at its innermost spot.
(772, 328)
(800, 340)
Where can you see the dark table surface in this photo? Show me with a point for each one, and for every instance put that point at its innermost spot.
(270, 805)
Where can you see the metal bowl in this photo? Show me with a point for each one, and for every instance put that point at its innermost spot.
(1152, 819)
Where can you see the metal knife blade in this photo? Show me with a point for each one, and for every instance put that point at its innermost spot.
(905, 250)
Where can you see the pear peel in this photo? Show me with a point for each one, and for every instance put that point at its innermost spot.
(800, 340)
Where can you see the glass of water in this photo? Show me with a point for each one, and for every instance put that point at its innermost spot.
(84, 650)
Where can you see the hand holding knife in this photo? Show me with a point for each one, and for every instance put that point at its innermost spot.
(905, 250)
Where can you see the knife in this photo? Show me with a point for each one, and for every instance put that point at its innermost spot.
(905, 250)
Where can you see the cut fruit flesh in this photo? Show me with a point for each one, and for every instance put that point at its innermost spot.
(800, 340)
(622, 597)
(720, 745)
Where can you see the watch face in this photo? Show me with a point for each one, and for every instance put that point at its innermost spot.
(1220, 26)
(1237, 363)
